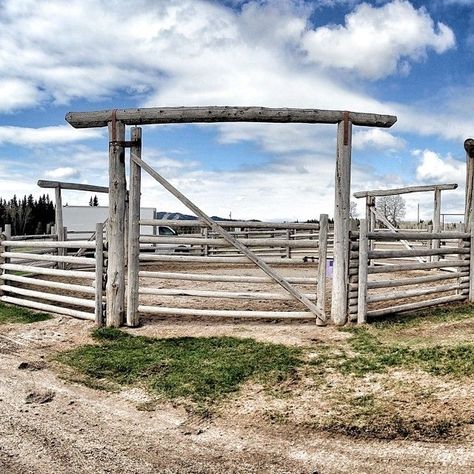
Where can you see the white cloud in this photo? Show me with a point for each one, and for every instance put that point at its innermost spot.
(63, 173)
(60, 134)
(17, 94)
(435, 168)
(378, 139)
(375, 41)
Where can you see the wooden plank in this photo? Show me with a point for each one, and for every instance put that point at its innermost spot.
(157, 115)
(221, 278)
(240, 295)
(73, 186)
(115, 293)
(99, 275)
(405, 190)
(322, 257)
(134, 231)
(341, 223)
(47, 307)
(48, 296)
(417, 266)
(225, 313)
(49, 284)
(223, 233)
(48, 271)
(236, 224)
(363, 272)
(414, 306)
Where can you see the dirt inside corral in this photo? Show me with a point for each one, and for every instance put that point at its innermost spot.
(51, 423)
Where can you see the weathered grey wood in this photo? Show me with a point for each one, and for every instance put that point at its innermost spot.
(158, 115)
(469, 188)
(405, 235)
(34, 237)
(417, 266)
(147, 257)
(49, 284)
(50, 245)
(436, 221)
(380, 254)
(134, 231)
(413, 306)
(322, 257)
(396, 295)
(253, 224)
(223, 233)
(225, 313)
(341, 223)
(220, 278)
(47, 271)
(49, 258)
(115, 294)
(405, 190)
(267, 243)
(99, 274)
(59, 226)
(205, 247)
(363, 272)
(73, 186)
(414, 281)
(8, 231)
(471, 267)
(240, 295)
(47, 307)
(48, 296)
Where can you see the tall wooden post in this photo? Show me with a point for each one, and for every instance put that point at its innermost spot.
(134, 231)
(469, 200)
(59, 224)
(436, 221)
(363, 272)
(115, 225)
(322, 253)
(342, 222)
(99, 273)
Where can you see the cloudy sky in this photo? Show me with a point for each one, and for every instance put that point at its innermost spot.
(409, 58)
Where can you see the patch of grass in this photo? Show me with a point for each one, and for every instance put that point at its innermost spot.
(16, 314)
(196, 368)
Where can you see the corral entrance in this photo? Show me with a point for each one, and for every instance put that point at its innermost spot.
(116, 120)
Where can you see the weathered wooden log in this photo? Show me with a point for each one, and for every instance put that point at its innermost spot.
(49, 245)
(47, 307)
(414, 281)
(363, 272)
(48, 271)
(225, 313)
(396, 295)
(116, 226)
(240, 295)
(48, 296)
(381, 254)
(222, 278)
(404, 190)
(49, 258)
(410, 235)
(74, 186)
(341, 222)
(236, 260)
(157, 115)
(134, 231)
(417, 266)
(414, 306)
(99, 275)
(322, 257)
(49, 284)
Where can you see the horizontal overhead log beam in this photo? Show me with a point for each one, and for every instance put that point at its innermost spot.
(157, 115)
(73, 186)
(405, 190)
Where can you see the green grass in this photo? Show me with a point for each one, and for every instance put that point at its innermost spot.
(16, 314)
(200, 369)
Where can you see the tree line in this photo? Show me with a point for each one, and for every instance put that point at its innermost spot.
(27, 215)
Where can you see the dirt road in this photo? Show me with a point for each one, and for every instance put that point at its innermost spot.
(83, 430)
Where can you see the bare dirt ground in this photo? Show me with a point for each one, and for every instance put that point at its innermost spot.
(50, 424)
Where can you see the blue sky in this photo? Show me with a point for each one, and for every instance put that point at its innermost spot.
(409, 58)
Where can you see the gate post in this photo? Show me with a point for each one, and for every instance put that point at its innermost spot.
(115, 294)
(322, 254)
(134, 231)
(340, 280)
(99, 274)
